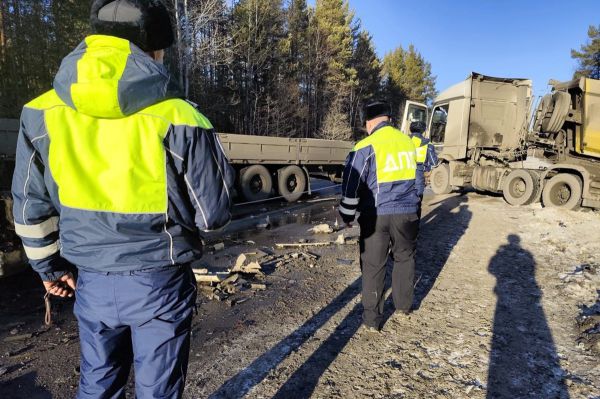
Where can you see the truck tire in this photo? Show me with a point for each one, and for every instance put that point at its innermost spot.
(440, 179)
(291, 182)
(521, 187)
(543, 112)
(563, 191)
(561, 102)
(256, 183)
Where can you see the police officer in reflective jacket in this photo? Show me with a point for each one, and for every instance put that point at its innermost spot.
(379, 183)
(426, 158)
(117, 175)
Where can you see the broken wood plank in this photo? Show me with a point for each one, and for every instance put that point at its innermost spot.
(230, 280)
(210, 278)
(21, 337)
(200, 271)
(303, 244)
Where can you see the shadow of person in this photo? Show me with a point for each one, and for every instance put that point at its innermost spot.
(523, 358)
(24, 386)
(441, 229)
(245, 380)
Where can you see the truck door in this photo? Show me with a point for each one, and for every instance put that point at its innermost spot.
(413, 112)
(437, 126)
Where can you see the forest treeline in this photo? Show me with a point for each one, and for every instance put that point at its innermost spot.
(263, 67)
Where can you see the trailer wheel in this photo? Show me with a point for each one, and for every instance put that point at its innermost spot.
(291, 182)
(521, 187)
(256, 183)
(563, 191)
(440, 179)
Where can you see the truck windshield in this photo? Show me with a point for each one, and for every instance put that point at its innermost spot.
(438, 123)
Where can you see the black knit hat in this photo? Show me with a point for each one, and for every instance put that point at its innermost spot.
(417, 127)
(376, 108)
(145, 23)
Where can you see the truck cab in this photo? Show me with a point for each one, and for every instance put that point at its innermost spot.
(489, 135)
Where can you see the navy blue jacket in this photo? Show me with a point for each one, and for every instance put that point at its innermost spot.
(379, 176)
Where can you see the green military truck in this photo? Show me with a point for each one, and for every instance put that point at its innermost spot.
(276, 165)
(490, 135)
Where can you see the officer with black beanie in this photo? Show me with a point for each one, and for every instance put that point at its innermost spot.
(379, 183)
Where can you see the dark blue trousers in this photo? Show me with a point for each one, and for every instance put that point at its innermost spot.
(142, 317)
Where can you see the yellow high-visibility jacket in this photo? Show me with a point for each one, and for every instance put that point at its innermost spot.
(114, 172)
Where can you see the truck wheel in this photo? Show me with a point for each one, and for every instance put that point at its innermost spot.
(521, 187)
(256, 183)
(291, 182)
(563, 191)
(440, 179)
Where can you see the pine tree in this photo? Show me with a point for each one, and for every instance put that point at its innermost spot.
(368, 71)
(293, 85)
(257, 28)
(589, 56)
(407, 76)
(334, 38)
(36, 35)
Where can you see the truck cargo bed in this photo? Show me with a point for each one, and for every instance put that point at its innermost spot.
(244, 149)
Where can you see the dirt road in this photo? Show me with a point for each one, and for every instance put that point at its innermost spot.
(506, 307)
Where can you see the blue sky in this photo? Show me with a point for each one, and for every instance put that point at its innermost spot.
(508, 38)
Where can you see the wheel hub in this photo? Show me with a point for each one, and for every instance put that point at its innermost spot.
(564, 194)
(291, 183)
(256, 184)
(519, 188)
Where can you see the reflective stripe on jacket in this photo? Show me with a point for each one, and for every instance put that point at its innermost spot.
(113, 172)
(379, 176)
(426, 159)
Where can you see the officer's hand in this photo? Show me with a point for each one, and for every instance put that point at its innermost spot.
(427, 176)
(63, 287)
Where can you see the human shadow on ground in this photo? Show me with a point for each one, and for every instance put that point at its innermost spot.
(440, 231)
(240, 384)
(24, 386)
(523, 358)
(302, 383)
(441, 225)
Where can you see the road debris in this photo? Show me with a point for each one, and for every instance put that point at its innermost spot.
(21, 337)
(265, 224)
(220, 285)
(219, 246)
(340, 240)
(323, 228)
(303, 244)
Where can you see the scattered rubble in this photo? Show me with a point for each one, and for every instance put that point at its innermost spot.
(265, 224)
(219, 285)
(340, 240)
(219, 246)
(323, 228)
(20, 337)
(303, 244)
